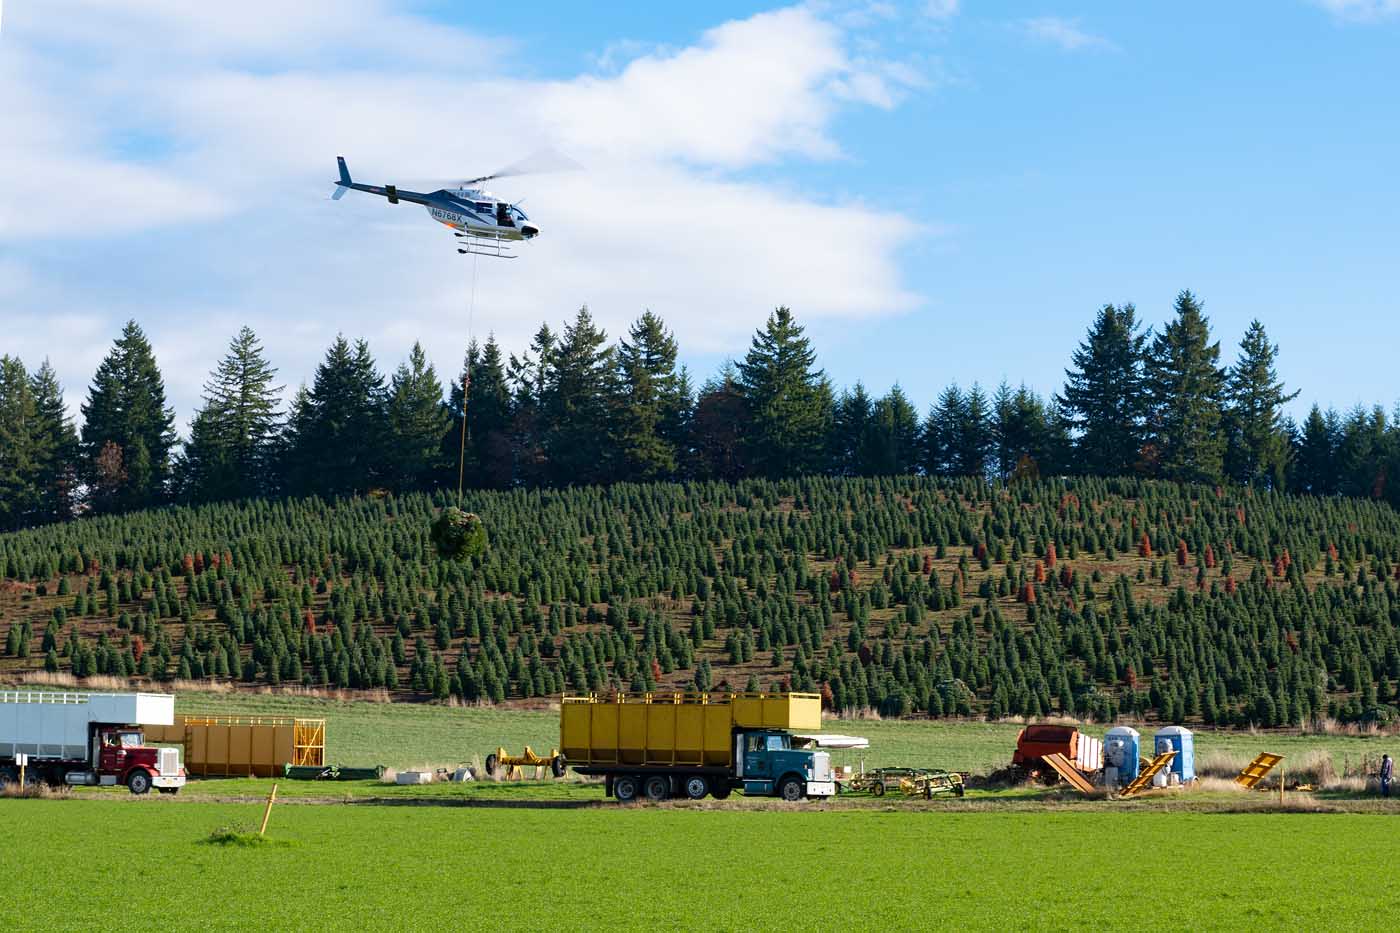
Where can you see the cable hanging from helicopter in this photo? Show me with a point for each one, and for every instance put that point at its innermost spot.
(483, 224)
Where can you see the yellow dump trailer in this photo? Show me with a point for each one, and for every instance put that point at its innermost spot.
(681, 744)
(244, 746)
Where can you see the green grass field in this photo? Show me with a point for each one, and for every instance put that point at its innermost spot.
(97, 862)
(408, 735)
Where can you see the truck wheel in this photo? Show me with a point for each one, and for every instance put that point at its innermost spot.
(878, 788)
(558, 766)
(139, 782)
(720, 791)
(657, 788)
(696, 787)
(491, 763)
(625, 788)
(791, 790)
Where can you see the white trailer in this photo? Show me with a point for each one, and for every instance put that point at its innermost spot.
(88, 738)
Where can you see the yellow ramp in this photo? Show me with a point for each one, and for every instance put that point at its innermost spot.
(1066, 769)
(1145, 776)
(1257, 770)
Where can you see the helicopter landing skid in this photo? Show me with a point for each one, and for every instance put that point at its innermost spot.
(475, 244)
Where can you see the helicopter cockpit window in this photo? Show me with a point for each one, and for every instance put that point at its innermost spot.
(483, 206)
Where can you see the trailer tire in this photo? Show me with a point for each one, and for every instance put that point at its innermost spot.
(791, 789)
(558, 766)
(878, 788)
(696, 787)
(720, 790)
(625, 788)
(491, 764)
(139, 782)
(657, 788)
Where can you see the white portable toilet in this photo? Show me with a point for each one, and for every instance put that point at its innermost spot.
(1121, 746)
(1182, 769)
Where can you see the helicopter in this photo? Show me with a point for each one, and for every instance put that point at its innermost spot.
(484, 224)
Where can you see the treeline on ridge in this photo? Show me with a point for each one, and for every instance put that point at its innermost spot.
(575, 409)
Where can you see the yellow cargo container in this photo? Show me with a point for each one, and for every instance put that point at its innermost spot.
(244, 746)
(692, 743)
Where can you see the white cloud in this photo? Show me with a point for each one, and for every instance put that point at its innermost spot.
(223, 151)
(1063, 33)
(1361, 11)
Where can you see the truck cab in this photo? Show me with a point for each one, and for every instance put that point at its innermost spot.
(120, 756)
(768, 765)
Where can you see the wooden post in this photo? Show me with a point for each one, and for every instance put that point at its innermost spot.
(271, 799)
(1280, 786)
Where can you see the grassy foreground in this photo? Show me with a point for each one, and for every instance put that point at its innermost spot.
(655, 868)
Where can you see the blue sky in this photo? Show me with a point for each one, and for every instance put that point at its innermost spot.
(943, 191)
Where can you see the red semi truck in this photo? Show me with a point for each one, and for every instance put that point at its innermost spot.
(92, 739)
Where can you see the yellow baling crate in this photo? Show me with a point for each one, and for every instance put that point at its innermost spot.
(226, 746)
(674, 728)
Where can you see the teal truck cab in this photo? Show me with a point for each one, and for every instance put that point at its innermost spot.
(767, 765)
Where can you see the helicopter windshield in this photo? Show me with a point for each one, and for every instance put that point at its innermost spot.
(518, 213)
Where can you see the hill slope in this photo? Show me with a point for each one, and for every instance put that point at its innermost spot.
(1085, 597)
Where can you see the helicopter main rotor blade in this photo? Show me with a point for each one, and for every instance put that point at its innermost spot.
(538, 163)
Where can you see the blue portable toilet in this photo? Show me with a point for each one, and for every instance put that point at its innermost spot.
(1182, 770)
(1121, 748)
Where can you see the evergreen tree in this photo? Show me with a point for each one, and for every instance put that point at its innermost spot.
(719, 428)
(128, 432)
(652, 406)
(1186, 387)
(894, 447)
(19, 471)
(55, 448)
(1258, 447)
(529, 377)
(489, 459)
(579, 405)
(417, 422)
(1103, 398)
(853, 433)
(1315, 467)
(233, 437)
(941, 433)
(337, 428)
(790, 401)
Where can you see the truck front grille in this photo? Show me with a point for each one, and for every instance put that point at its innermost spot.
(169, 762)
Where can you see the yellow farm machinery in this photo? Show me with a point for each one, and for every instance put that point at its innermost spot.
(503, 765)
(911, 782)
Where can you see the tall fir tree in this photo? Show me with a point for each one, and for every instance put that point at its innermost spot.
(1314, 460)
(719, 428)
(853, 433)
(1258, 447)
(894, 444)
(126, 423)
(417, 421)
(19, 472)
(233, 436)
(1186, 387)
(1103, 398)
(790, 400)
(941, 438)
(652, 404)
(529, 377)
(337, 430)
(489, 460)
(55, 447)
(579, 405)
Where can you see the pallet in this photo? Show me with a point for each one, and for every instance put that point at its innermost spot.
(1145, 776)
(1257, 770)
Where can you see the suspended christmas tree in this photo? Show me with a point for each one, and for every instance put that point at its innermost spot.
(458, 535)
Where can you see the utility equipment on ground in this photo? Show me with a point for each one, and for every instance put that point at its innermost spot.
(1036, 741)
(88, 739)
(912, 782)
(502, 764)
(483, 224)
(696, 745)
(1149, 771)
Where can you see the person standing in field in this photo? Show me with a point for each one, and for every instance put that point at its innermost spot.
(1387, 765)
